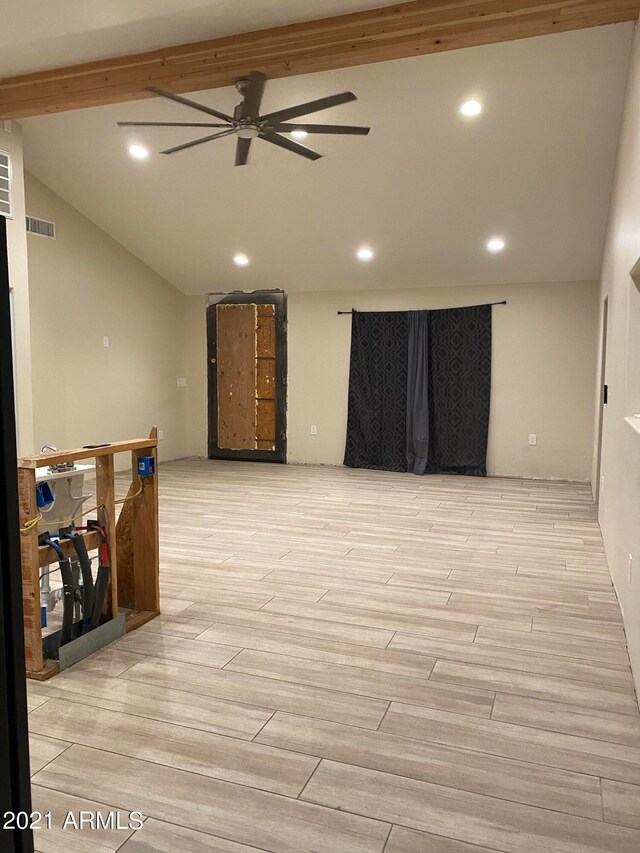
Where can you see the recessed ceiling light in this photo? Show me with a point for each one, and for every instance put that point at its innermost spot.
(138, 152)
(299, 134)
(496, 244)
(364, 253)
(240, 260)
(471, 108)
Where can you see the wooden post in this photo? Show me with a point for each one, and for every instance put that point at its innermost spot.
(105, 496)
(139, 558)
(30, 570)
(146, 556)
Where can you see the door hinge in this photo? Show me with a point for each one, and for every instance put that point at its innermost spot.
(605, 394)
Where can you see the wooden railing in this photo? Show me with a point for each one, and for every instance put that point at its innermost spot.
(133, 542)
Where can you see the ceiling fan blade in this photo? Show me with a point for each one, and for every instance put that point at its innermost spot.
(289, 144)
(197, 142)
(253, 95)
(242, 151)
(320, 128)
(168, 124)
(163, 93)
(310, 107)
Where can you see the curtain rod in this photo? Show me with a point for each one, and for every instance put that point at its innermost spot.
(504, 302)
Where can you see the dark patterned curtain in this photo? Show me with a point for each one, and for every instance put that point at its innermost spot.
(376, 433)
(419, 391)
(459, 390)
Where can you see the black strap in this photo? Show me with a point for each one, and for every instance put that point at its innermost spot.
(102, 585)
(80, 548)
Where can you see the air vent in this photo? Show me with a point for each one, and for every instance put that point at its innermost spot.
(41, 227)
(5, 185)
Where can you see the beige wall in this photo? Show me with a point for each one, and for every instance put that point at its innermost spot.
(620, 494)
(544, 359)
(196, 337)
(10, 141)
(83, 286)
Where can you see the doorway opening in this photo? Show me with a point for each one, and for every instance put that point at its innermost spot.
(604, 392)
(247, 376)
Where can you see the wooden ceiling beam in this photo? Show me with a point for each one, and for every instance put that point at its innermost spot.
(393, 32)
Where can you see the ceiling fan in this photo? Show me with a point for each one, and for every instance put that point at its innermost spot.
(247, 123)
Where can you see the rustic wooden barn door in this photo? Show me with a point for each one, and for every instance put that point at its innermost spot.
(247, 376)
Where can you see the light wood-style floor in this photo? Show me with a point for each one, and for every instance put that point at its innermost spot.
(353, 661)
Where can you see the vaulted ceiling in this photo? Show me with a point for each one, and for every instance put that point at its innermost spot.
(37, 35)
(425, 189)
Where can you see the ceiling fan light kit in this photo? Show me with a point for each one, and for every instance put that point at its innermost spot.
(247, 123)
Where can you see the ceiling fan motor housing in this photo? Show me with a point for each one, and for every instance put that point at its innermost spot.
(247, 131)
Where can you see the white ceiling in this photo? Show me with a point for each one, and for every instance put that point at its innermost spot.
(39, 34)
(425, 189)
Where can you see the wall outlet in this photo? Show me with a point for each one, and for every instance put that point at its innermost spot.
(105, 341)
(630, 567)
(181, 381)
(160, 434)
(314, 429)
(533, 439)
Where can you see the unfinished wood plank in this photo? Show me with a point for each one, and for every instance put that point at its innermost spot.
(47, 555)
(30, 561)
(266, 420)
(236, 371)
(134, 619)
(144, 531)
(266, 336)
(105, 495)
(266, 378)
(49, 669)
(40, 460)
